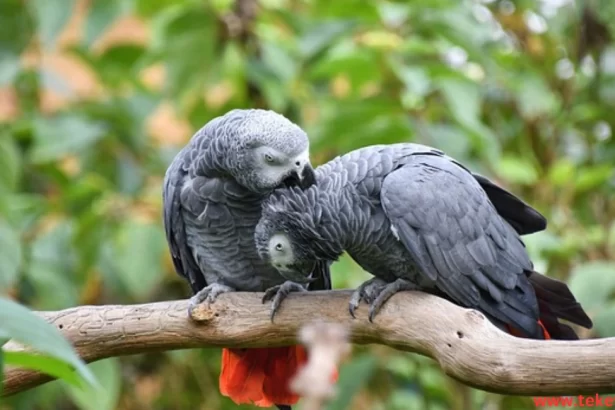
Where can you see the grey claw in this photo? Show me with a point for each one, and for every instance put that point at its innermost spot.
(366, 292)
(351, 309)
(270, 293)
(355, 300)
(386, 293)
(279, 293)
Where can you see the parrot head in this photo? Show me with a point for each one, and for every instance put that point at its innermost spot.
(264, 150)
(288, 234)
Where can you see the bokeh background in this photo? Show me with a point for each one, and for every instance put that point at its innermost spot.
(96, 97)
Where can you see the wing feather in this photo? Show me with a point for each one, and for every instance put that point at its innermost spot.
(456, 236)
(175, 227)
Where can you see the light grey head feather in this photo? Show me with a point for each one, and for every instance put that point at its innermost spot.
(258, 148)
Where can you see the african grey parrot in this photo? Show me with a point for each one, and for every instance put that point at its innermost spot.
(417, 219)
(212, 198)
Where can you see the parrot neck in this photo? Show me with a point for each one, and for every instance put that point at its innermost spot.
(333, 217)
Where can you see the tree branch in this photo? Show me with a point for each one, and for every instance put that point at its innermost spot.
(465, 344)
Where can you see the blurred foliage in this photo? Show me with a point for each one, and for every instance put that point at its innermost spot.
(53, 356)
(97, 96)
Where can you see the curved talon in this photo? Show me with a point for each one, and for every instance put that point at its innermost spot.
(270, 293)
(278, 293)
(351, 309)
(385, 294)
(366, 292)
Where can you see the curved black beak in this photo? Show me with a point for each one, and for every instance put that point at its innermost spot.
(306, 179)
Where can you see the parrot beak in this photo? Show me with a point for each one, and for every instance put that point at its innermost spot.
(307, 177)
(303, 180)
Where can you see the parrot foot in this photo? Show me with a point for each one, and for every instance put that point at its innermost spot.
(386, 293)
(367, 292)
(278, 293)
(208, 294)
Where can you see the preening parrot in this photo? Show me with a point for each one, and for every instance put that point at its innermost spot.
(212, 198)
(417, 219)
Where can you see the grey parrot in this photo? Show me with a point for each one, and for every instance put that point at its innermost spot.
(212, 198)
(417, 219)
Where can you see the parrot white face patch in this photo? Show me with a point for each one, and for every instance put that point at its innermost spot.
(280, 251)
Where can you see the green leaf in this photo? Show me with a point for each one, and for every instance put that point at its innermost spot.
(592, 283)
(611, 237)
(279, 61)
(274, 91)
(14, 18)
(61, 135)
(453, 139)
(433, 382)
(321, 36)
(360, 67)
(404, 400)
(10, 256)
(101, 15)
(139, 251)
(589, 178)
(535, 98)
(108, 375)
(10, 166)
(380, 121)
(516, 170)
(46, 364)
(604, 321)
(9, 67)
(1, 370)
(403, 366)
(186, 37)
(51, 16)
(25, 327)
(562, 172)
(393, 14)
(118, 65)
(52, 260)
(353, 376)
(463, 99)
(415, 79)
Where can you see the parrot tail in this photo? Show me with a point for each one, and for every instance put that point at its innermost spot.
(518, 333)
(261, 376)
(555, 301)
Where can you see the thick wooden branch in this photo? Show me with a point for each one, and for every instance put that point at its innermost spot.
(466, 345)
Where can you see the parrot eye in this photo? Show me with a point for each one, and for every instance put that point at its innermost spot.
(269, 158)
(278, 247)
(298, 163)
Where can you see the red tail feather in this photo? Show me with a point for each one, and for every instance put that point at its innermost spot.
(261, 376)
(515, 332)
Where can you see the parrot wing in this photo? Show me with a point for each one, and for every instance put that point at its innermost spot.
(454, 234)
(175, 226)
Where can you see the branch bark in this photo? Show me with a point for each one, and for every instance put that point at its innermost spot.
(465, 344)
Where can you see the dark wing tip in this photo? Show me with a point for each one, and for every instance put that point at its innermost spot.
(521, 216)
